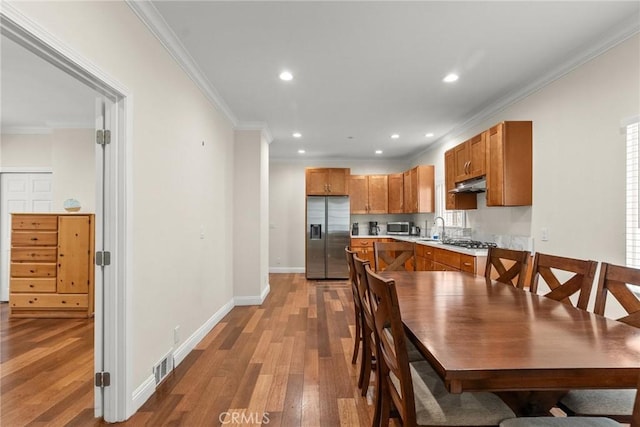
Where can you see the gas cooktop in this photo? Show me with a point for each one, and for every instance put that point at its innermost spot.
(470, 244)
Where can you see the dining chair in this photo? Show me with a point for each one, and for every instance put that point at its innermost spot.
(616, 404)
(507, 266)
(393, 256)
(414, 390)
(367, 363)
(549, 267)
(579, 421)
(357, 306)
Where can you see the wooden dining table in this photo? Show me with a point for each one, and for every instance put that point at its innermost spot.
(483, 335)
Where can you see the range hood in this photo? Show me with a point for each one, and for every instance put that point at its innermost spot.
(475, 185)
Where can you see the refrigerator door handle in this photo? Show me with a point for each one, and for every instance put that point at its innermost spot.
(315, 231)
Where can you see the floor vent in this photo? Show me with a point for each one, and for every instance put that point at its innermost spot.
(163, 367)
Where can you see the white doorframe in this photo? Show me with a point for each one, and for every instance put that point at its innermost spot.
(118, 404)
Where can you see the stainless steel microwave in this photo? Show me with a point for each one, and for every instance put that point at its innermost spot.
(401, 228)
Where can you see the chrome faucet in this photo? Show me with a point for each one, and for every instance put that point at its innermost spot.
(435, 223)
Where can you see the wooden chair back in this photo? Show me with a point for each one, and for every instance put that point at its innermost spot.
(392, 348)
(579, 283)
(363, 293)
(613, 280)
(393, 256)
(510, 266)
(352, 278)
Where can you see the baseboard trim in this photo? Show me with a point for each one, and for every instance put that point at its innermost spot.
(142, 394)
(253, 300)
(280, 270)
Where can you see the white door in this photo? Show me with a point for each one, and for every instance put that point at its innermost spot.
(19, 192)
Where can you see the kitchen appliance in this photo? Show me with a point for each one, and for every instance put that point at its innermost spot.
(470, 244)
(398, 228)
(327, 235)
(475, 185)
(355, 229)
(374, 230)
(415, 231)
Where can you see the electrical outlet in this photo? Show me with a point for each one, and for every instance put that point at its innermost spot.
(202, 232)
(176, 334)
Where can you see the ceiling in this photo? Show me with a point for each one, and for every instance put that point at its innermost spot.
(38, 97)
(363, 70)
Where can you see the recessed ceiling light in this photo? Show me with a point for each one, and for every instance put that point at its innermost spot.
(286, 76)
(429, 135)
(301, 151)
(450, 78)
(395, 136)
(297, 135)
(378, 151)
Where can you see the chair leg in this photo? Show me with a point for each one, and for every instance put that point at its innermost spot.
(357, 338)
(383, 407)
(366, 363)
(377, 400)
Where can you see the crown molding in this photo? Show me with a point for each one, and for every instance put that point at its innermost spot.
(149, 15)
(627, 29)
(257, 126)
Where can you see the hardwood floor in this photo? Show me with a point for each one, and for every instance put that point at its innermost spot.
(285, 363)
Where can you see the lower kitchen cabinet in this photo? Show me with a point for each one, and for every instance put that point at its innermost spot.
(52, 265)
(364, 248)
(438, 259)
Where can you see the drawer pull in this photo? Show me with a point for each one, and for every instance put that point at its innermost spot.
(31, 285)
(467, 264)
(34, 239)
(32, 271)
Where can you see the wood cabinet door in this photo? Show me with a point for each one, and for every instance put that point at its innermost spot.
(495, 170)
(477, 155)
(413, 174)
(461, 155)
(74, 252)
(338, 182)
(316, 181)
(358, 194)
(407, 193)
(425, 193)
(449, 179)
(378, 194)
(396, 193)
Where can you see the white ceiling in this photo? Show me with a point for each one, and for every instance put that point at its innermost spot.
(362, 69)
(38, 97)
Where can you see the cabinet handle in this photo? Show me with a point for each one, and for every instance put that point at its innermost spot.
(34, 239)
(466, 264)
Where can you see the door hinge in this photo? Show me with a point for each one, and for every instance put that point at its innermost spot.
(103, 258)
(103, 137)
(103, 379)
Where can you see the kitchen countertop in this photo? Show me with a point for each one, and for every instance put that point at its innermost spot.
(426, 242)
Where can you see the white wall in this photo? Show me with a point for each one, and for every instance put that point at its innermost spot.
(287, 206)
(69, 153)
(180, 186)
(251, 216)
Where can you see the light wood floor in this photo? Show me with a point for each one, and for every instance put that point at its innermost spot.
(285, 363)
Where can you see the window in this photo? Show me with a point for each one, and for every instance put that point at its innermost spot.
(633, 225)
(451, 218)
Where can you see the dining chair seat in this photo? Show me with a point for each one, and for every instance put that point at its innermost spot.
(601, 402)
(560, 422)
(436, 406)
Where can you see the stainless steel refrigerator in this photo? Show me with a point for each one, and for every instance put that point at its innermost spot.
(328, 219)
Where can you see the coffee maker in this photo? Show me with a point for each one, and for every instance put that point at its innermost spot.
(373, 228)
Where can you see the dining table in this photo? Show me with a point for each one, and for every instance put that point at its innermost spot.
(482, 335)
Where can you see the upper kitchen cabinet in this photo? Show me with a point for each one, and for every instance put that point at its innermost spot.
(368, 194)
(470, 158)
(509, 164)
(459, 201)
(327, 181)
(396, 193)
(419, 189)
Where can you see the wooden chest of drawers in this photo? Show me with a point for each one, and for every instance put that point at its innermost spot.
(52, 265)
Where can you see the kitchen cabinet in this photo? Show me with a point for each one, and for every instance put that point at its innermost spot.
(509, 164)
(368, 194)
(52, 265)
(364, 248)
(327, 181)
(396, 193)
(470, 158)
(439, 259)
(456, 201)
(419, 189)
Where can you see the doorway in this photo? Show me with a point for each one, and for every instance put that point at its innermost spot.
(110, 205)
